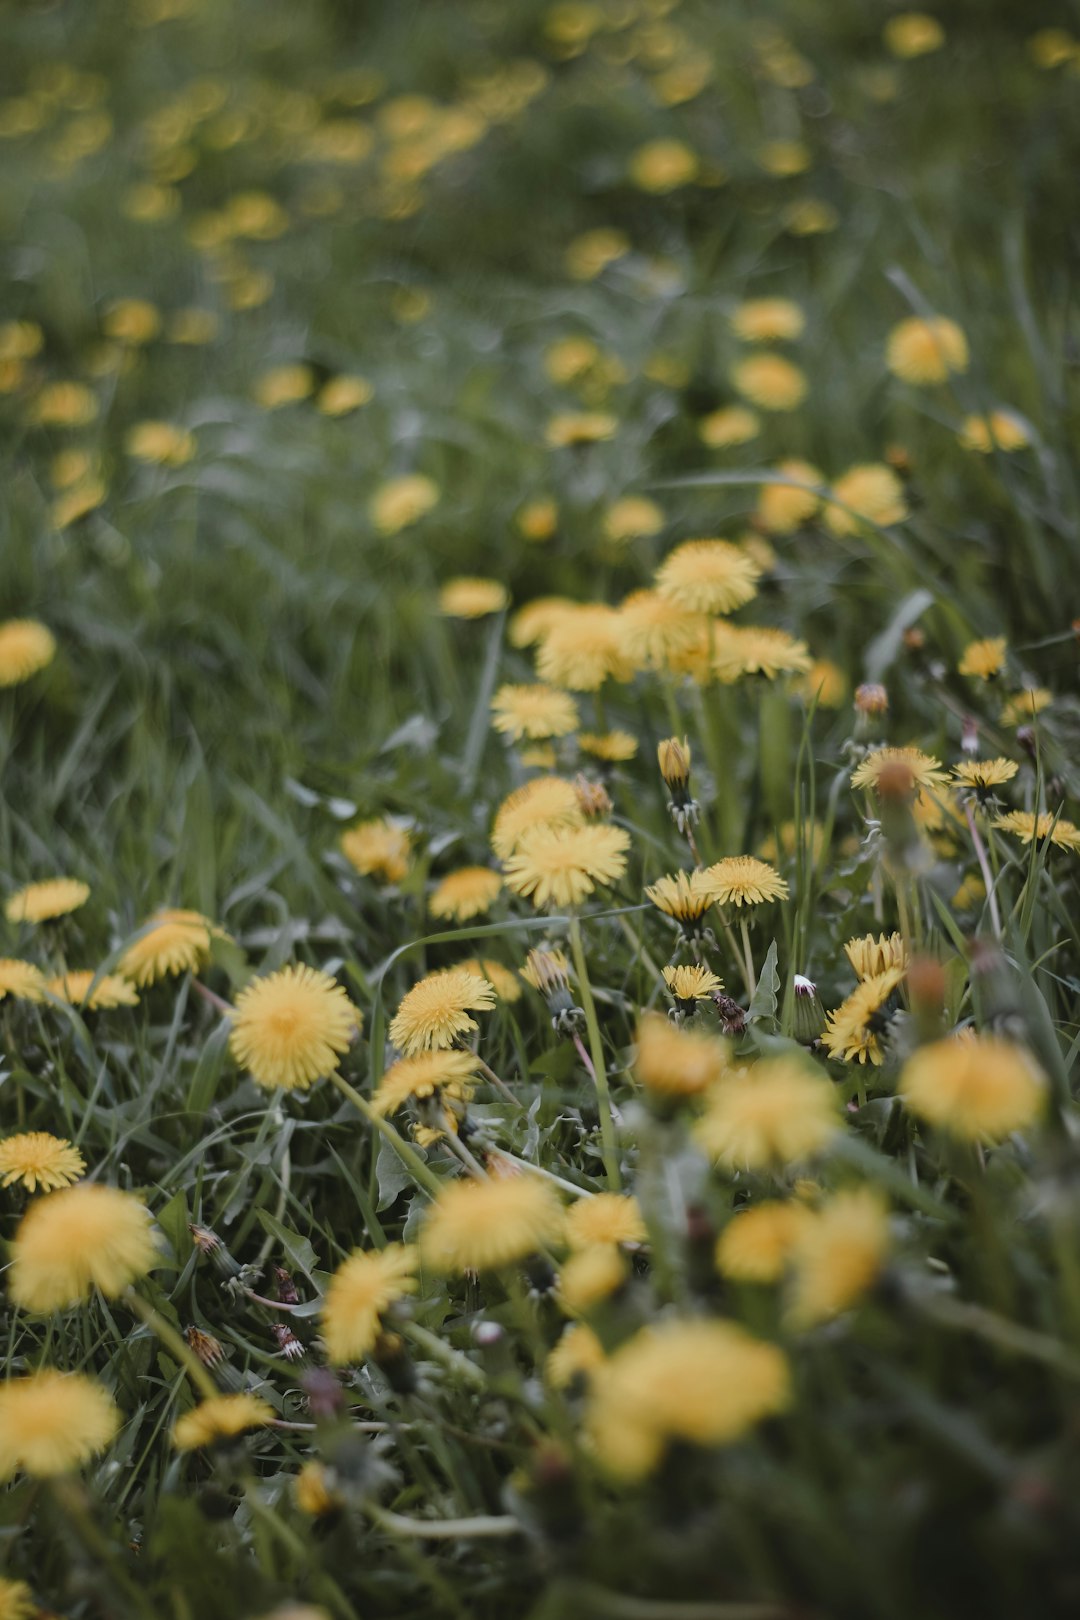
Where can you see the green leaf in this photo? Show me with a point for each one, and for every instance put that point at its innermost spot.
(764, 1002)
(297, 1248)
(204, 1082)
(391, 1175)
(173, 1220)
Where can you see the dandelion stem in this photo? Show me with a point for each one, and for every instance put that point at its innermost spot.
(482, 1525)
(984, 868)
(748, 957)
(500, 1085)
(608, 1144)
(412, 1161)
(211, 998)
(173, 1341)
(549, 1175)
(455, 1360)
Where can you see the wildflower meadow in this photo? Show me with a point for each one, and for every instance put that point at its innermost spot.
(540, 815)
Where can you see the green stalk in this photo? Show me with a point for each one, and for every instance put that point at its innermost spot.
(174, 1342)
(608, 1144)
(412, 1161)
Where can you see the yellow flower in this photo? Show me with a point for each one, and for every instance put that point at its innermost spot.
(83, 987)
(171, 941)
(468, 892)
(549, 801)
(984, 659)
(482, 1225)
(704, 1382)
(503, 981)
(671, 1062)
(784, 507)
(768, 320)
(192, 326)
(922, 770)
(773, 1113)
(283, 385)
(970, 894)
(17, 1601)
(378, 848)
(743, 880)
(753, 650)
(662, 166)
(469, 598)
(538, 520)
(1021, 709)
(913, 33)
(64, 404)
(823, 683)
(85, 496)
(561, 866)
(25, 648)
(52, 1422)
(708, 576)
(926, 351)
(36, 1159)
(854, 1031)
(583, 647)
(425, 1074)
(691, 982)
(1001, 430)
(589, 1276)
(340, 395)
(40, 902)
(869, 956)
(434, 1014)
(577, 1354)
(612, 747)
(22, 980)
(78, 1239)
(686, 896)
(784, 158)
(291, 1027)
(631, 517)
(20, 340)
(654, 629)
(532, 622)
(838, 1254)
(401, 502)
(1025, 825)
(132, 320)
(579, 427)
(359, 1292)
(533, 711)
(980, 1089)
(810, 217)
(314, 1491)
(982, 776)
(1052, 47)
(770, 382)
(605, 1218)
(162, 443)
(570, 358)
(756, 1245)
(729, 426)
(221, 1417)
(871, 492)
(589, 255)
(547, 970)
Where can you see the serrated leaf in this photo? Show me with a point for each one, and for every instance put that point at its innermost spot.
(391, 1175)
(297, 1248)
(764, 1001)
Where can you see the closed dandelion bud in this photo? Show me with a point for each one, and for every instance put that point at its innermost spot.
(871, 698)
(1025, 736)
(593, 797)
(969, 736)
(203, 1345)
(286, 1288)
(926, 988)
(808, 1015)
(208, 1243)
(288, 1344)
(673, 756)
(548, 971)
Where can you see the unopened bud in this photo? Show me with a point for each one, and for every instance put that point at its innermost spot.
(593, 797)
(808, 1017)
(871, 698)
(204, 1346)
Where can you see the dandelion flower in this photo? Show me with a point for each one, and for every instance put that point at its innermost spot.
(36, 1160)
(561, 866)
(471, 598)
(503, 981)
(777, 1111)
(605, 1218)
(690, 983)
(631, 518)
(824, 684)
(869, 956)
(613, 747)
(884, 764)
(221, 1417)
(17, 1601)
(590, 1275)
(981, 1089)
(1021, 709)
(662, 166)
(434, 1014)
(401, 502)
(753, 650)
(870, 493)
(482, 1225)
(80, 1238)
(52, 1422)
(708, 576)
(675, 1063)
(359, 1292)
(756, 1244)
(338, 396)
(25, 648)
(583, 647)
(703, 1382)
(926, 351)
(730, 426)
(531, 623)
(291, 1027)
(770, 382)
(132, 320)
(21, 980)
(84, 987)
(984, 659)
(743, 880)
(537, 521)
(572, 428)
(1001, 430)
(589, 254)
(982, 776)
(283, 385)
(64, 404)
(784, 507)
(41, 902)
(170, 942)
(913, 33)
(1026, 826)
(577, 1354)
(549, 801)
(378, 848)
(533, 711)
(768, 320)
(425, 1074)
(855, 1031)
(783, 159)
(468, 892)
(163, 444)
(685, 896)
(654, 629)
(837, 1256)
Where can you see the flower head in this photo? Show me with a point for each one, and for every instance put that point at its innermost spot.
(1001, 430)
(549, 801)
(654, 629)
(577, 1354)
(17, 1601)
(291, 1027)
(984, 659)
(434, 1014)
(401, 502)
(980, 1089)
(604, 1218)
(756, 650)
(1026, 826)
(78, 1239)
(83, 987)
(856, 1030)
(533, 711)
(869, 956)
(756, 1244)
(982, 776)
(482, 1225)
(690, 983)
(926, 351)
(685, 896)
(612, 747)
(170, 942)
(773, 1113)
(743, 880)
(503, 980)
(770, 382)
(583, 647)
(837, 1255)
(708, 576)
(768, 320)
(52, 1422)
(561, 866)
(913, 33)
(631, 517)
(675, 1063)
(468, 892)
(41, 902)
(663, 165)
(425, 1074)
(870, 493)
(35, 1159)
(21, 980)
(890, 765)
(704, 1382)
(25, 648)
(360, 1290)
(571, 428)
(378, 848)
(589, 1275)
(469, 598)
(221, 1417)
(729, 426)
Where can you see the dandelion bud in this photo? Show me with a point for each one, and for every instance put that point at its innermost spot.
(898, 457)
(391, 1356)
(209, 1350)
(288, 1344)
(593, 797)
(808, 1019)
(548, 971)
(969, 737)
(208, 1243)
(1025, 736)
(286, 1288)
(674, 760)
(926, 988)
(871, 698)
